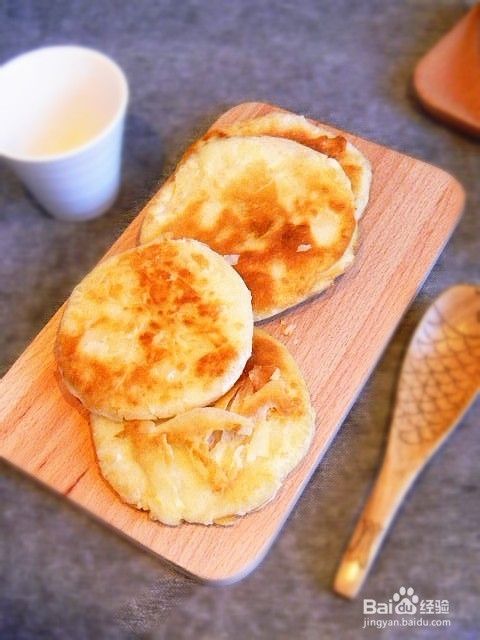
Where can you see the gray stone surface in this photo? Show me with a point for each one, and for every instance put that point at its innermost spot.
(347, 63)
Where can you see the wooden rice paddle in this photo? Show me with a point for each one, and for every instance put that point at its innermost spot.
(447, 78)
(439, 380)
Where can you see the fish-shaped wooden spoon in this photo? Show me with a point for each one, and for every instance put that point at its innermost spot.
(439, 380)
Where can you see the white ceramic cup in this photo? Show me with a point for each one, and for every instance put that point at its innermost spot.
(62, 113)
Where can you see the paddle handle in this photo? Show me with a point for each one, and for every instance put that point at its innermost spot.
(389, 490)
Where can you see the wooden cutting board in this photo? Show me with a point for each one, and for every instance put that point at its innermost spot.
(337, 340)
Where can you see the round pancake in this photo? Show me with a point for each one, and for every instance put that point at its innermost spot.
(155, 331)
(299, 129)
(215, 463)
(281, 213)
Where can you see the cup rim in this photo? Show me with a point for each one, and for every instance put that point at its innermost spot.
(103, 133)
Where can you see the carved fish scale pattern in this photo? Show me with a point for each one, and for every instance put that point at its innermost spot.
(440, 376)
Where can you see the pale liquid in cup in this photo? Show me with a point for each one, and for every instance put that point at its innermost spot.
(62, 134)
(61, 125)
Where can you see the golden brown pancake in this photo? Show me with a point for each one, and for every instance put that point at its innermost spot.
(299, 129)
(281, 213)
(155, 331)
(215, 463)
